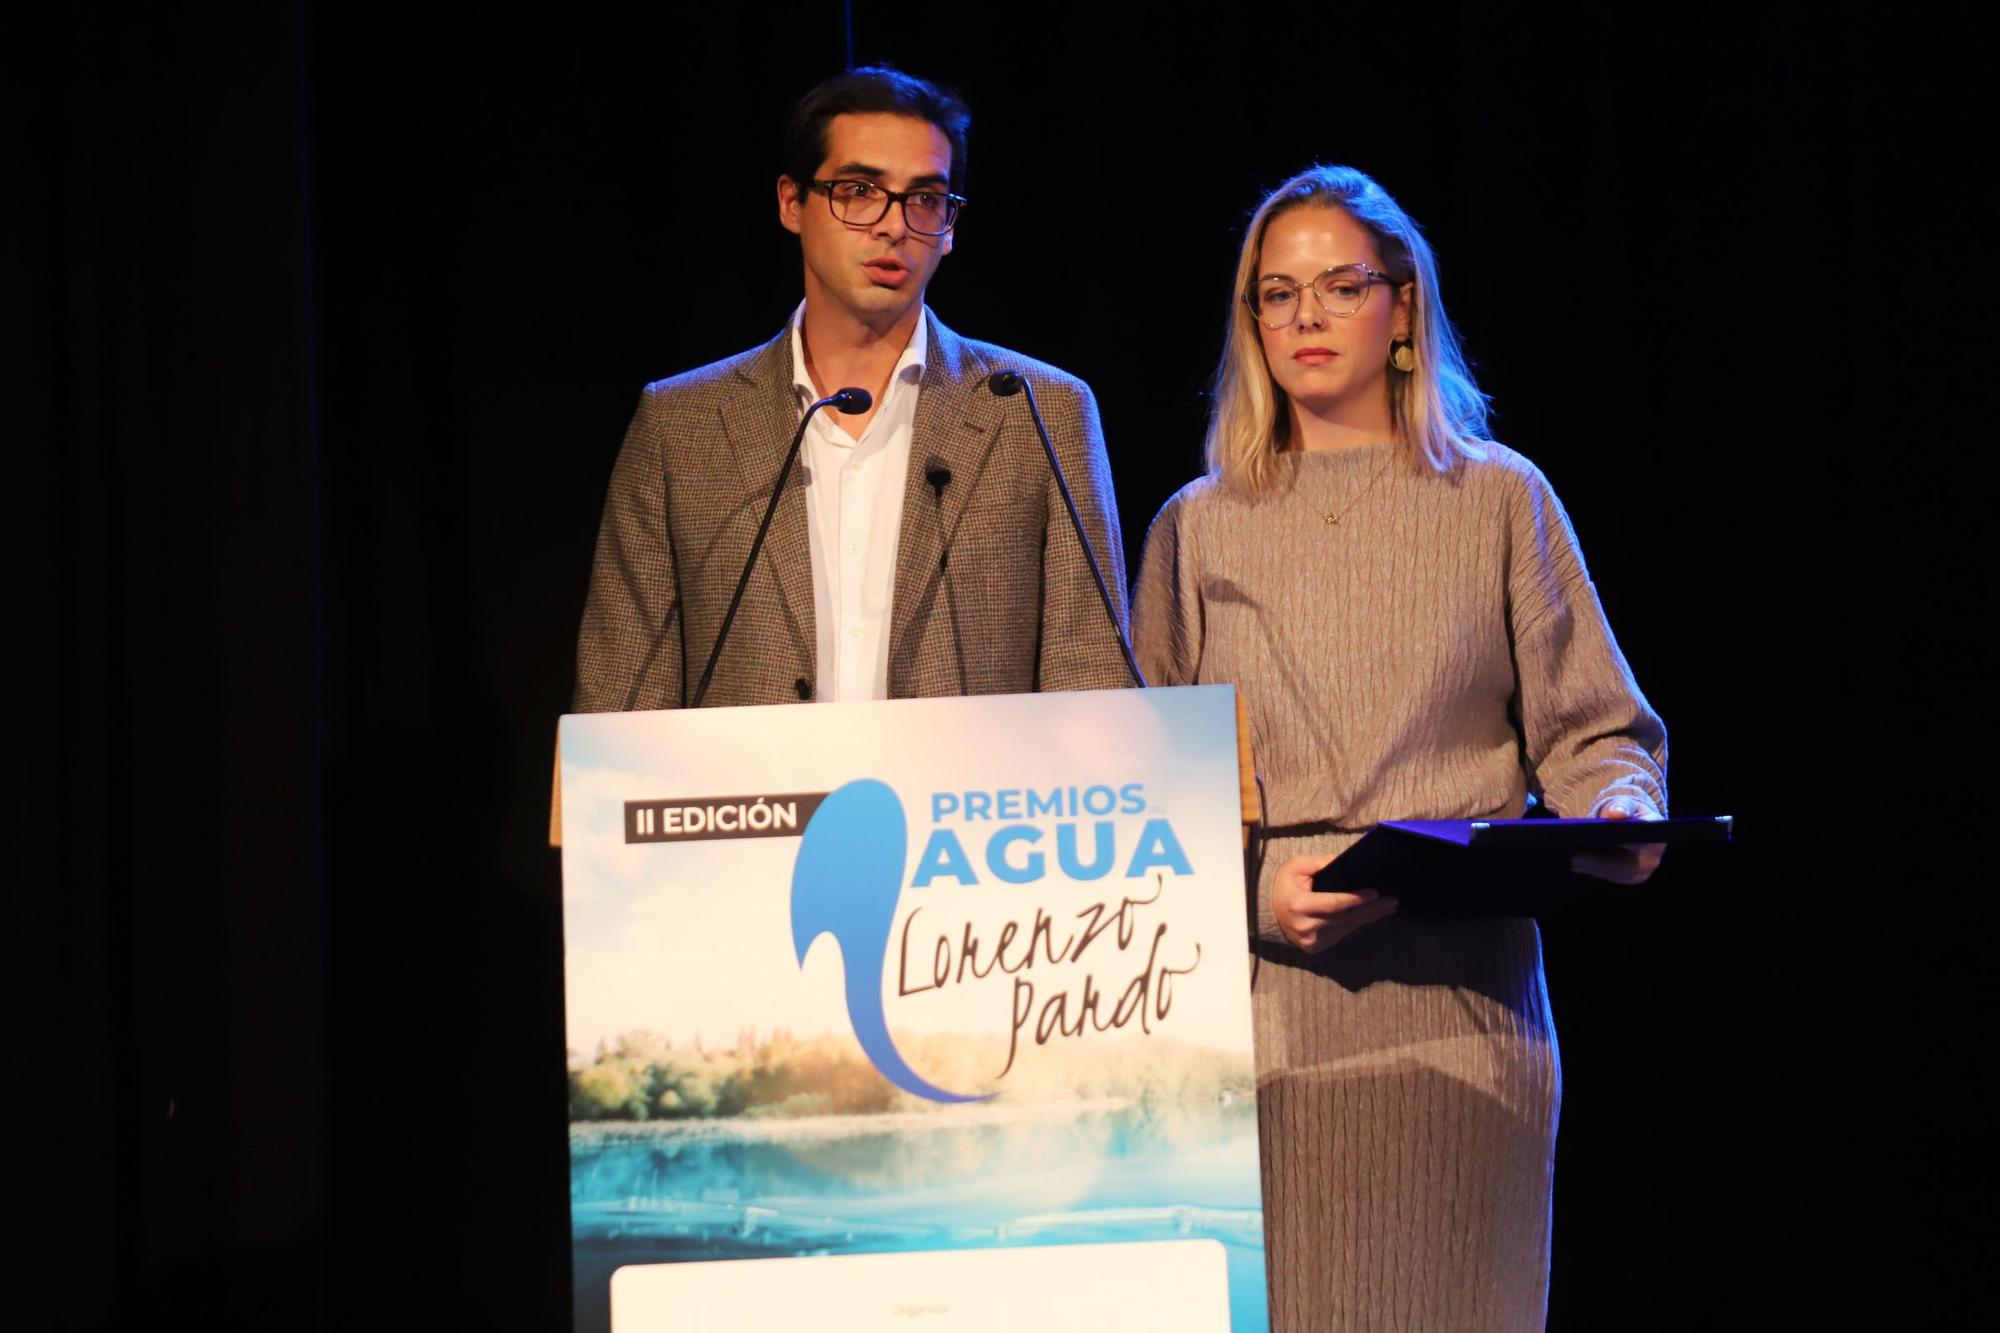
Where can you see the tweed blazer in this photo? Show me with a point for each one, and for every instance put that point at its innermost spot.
(992, 593)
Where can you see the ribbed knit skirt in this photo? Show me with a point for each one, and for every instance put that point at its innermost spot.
(1407, 1092)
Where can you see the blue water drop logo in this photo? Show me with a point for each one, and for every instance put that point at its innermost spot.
(845, 884)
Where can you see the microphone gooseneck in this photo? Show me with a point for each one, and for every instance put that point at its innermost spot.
(850, 402)
(1005, 384)
(652, 655)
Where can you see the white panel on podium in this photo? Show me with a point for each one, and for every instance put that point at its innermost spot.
(1168, 1286)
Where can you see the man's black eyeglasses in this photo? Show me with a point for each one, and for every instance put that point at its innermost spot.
(858, 203)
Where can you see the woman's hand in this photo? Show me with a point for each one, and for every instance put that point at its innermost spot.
(1630, 864)
(1317, 921)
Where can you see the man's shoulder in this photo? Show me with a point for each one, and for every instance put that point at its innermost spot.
(978, 358)
(717, 376)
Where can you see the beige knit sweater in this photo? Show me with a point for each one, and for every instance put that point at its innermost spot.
(1438, 652)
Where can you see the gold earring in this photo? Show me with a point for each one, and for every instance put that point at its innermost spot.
(1403, 357)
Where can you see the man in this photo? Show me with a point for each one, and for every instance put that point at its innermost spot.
(922, 548)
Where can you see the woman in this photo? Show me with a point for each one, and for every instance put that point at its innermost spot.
(1402, 603)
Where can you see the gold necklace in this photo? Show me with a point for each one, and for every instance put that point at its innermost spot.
(1333, 519)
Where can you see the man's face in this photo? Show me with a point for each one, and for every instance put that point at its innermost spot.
(877, 273)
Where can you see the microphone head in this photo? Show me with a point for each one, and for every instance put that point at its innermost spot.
(1004, 383)
(852, 402)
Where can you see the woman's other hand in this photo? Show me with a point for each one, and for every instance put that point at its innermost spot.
(1315, 921)
(1633, 863)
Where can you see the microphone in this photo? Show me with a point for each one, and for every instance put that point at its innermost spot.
(849, 402)
(938, 476)
(1005, 384)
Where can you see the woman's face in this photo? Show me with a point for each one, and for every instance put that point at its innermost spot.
(1331, 367)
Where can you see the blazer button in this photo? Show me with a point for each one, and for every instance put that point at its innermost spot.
(804, 689)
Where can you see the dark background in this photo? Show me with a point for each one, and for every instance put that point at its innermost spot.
(330, 319)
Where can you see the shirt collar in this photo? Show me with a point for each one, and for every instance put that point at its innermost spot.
(909, 366)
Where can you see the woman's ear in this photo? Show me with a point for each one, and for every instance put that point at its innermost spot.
(1406, 295)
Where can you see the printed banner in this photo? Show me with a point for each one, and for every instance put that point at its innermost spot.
(957, 980)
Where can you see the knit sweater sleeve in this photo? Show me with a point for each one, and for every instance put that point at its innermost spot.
(1166, 610)
(1168, 625)
(1587, 733)
(1167, 628)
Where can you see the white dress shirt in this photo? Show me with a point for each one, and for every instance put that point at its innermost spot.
(854, 511)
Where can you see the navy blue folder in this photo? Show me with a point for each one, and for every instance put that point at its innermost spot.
(1497, 867)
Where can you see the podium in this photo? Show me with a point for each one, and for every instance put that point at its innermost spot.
(923, 1012)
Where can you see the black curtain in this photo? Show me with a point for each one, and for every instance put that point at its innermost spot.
(330, 321)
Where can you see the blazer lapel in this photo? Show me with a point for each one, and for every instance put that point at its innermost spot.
(760, 418)
(957, 419)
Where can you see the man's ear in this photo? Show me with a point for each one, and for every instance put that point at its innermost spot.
(791, 204)
(944, 243)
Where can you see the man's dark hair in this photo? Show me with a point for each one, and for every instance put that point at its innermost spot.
(872, 89)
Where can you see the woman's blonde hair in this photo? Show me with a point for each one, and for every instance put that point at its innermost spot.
(1435, 407)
